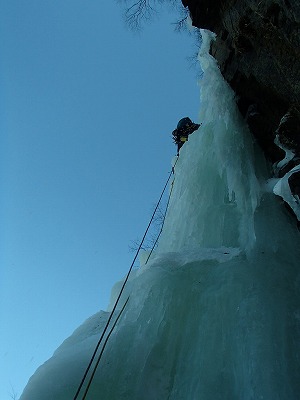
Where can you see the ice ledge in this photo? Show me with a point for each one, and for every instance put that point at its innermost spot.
(188, 255)
(282, 189)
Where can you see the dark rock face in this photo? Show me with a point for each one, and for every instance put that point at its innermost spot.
(258, 50)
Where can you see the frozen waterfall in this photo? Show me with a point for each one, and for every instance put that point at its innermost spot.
(214, 314)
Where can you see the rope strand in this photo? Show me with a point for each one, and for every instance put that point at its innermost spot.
(122, 289)
(102, 350)
(162, 225)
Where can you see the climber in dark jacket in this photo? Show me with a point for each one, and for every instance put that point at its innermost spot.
(184, 128)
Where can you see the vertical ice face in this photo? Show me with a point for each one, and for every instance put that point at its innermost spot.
(215, 190)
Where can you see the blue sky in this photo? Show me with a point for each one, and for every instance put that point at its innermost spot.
(86, 114)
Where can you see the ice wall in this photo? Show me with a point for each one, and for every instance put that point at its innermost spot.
(215, 191)
(215, 312)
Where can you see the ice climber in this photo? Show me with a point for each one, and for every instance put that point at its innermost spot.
(184, 128)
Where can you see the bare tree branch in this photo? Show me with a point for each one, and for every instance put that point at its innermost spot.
(140, 11)
(13, 394)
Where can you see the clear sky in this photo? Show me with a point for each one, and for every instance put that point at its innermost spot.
(86, 114)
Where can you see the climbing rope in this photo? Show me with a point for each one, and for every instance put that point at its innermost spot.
(102, 350)
(117, 300)
(162, 225)
(164, 217)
